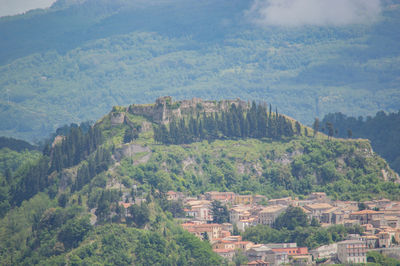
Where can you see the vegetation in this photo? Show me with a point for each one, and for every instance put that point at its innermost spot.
(292, 226)
(39, 233)
(256, 122)
(382, 130)
(50, 201)
(219, 212)
(15, 144)
(376, 258)
(112, 55)
(344, 169)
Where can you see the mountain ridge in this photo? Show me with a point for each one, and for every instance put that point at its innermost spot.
(111, 55)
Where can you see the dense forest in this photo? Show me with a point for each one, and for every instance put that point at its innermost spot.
(73, 62)
(43, 232)
(27, 173)
(257, 122)
(382, 130)
(15, 144)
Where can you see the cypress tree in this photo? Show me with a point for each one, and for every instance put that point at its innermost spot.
(316, 126)
(298, 128)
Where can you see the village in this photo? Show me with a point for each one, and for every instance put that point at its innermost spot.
(380, 220)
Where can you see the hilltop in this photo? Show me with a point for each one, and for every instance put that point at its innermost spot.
(51, 201)
(223, 145)
(74, 61)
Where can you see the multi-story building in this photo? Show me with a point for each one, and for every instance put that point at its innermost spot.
(225, 253)
(317, 209)
(282, 201)
(214, 231)
(332, 216)
(242, 225)
(269, 214)
(327, 251)
(173, 195)
(264, 253)
(244, 199)
(371, 241)
(352, 251)
(239, 213)
(366, 216)
(199, 209)
(220, 196)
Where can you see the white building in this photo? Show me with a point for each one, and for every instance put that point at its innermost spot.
(352, 251)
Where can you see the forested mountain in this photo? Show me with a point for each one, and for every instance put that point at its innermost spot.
(382, 129)
(74, 61)
(64, 205)
(15, 144)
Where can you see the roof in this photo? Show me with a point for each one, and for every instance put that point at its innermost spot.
(261, 248)
(331, 210)
(365, 212)
(198, 202)
(223, 250)
(319, 206)
(244, 242)
(240, 209)
(351, 241)
(390, 218)
(257, 262)
(220, 193)
(369, 237)
(274, 208)
(305, 210)
(200, 225)
(126, 205)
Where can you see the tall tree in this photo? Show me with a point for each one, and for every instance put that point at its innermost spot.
(316, 126)
(298, 128)
(349, 133)
(219, 212)
(330, 129)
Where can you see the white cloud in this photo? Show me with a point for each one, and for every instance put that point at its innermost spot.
(13, 7)
(314, 12)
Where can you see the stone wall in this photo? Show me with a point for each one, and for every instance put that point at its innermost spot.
(117, 118)
(166, 109)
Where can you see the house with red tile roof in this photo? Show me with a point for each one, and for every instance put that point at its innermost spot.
(366, 216)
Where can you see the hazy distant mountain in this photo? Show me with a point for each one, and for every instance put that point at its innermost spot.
(75, 60)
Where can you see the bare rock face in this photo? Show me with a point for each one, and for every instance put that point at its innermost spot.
(146, 126)
(165, 109)
(57, 140)
(130, 150)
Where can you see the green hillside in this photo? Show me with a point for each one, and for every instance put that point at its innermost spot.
(53, 200)
(76, 60)
(382, 129)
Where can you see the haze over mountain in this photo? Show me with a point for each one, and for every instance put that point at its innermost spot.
(75, 60)
(13, 7)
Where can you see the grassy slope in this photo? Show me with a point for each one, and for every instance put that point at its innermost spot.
(345, 169)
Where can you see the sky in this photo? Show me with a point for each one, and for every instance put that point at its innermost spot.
(267, 12)
(314, 12)
(13, 7)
